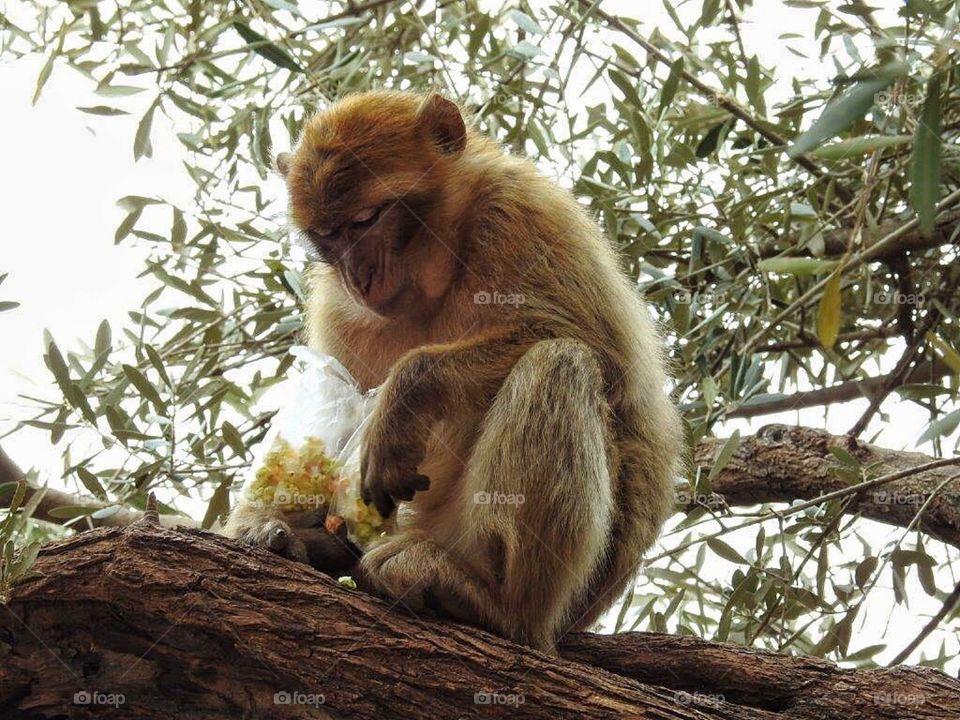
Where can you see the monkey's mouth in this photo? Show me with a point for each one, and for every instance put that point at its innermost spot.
(378, 290)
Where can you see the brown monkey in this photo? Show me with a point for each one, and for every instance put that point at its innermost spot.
(523, 419)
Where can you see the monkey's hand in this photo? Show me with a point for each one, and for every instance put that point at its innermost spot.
(393, 446)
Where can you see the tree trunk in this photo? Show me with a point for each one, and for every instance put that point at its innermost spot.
(148, 622)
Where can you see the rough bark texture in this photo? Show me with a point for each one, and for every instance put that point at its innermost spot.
(783, 463)
(189, 625)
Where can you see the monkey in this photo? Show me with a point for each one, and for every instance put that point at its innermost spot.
(522, 423)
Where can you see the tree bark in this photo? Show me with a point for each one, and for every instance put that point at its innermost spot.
(149, 622)
(782, 463)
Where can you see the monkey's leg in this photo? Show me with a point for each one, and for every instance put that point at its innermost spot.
(532, 517)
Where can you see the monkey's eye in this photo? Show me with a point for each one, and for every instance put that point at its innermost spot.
(367, 216)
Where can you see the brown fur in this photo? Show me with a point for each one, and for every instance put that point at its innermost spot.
(558, 397)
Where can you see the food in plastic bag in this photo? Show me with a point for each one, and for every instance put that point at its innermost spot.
(310, 459)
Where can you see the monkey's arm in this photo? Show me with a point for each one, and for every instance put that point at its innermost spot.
(424, 386)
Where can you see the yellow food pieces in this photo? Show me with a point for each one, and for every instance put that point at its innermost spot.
(305, 478)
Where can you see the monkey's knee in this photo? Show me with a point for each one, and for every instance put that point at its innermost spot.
(564, 366)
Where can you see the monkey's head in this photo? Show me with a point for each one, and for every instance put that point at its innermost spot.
(366, 185)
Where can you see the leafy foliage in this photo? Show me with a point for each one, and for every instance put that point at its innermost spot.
(767, 231)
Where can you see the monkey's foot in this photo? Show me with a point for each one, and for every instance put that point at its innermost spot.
(418, 573)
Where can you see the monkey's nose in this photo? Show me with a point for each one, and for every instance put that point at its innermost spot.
(367, 281)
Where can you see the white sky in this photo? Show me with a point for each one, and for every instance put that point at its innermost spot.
(65, 170)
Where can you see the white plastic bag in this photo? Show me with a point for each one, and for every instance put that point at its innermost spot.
(311, 456)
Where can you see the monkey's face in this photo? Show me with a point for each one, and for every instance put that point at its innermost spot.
(366, 193)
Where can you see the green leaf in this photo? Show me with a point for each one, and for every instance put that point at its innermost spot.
(728, 450)
(525, 22)
(670, 85)
(140, 382)
(829, 315)
(941, 427)
(526, 49)
(68, 512)
(8, 305)
(950, 356)
(47, 68)
(104, 341)
(844, 456)
(102, 110)
(154, 357)
(845, 110)
(219, 504)
(127, 225)
(71, 391)
(725, 551)
(925, 159)
(283, 5)
(91, 483)
(796, 265)
(233, 438)
(264, 48)
(854, 147)
(141, 142)
(105, 512)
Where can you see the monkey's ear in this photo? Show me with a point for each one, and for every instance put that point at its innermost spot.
(282, 163)
(440, 118)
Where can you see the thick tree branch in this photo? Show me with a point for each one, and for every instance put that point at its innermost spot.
(783, 463)
(191, 625)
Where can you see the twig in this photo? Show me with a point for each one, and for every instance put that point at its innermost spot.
(948, 604)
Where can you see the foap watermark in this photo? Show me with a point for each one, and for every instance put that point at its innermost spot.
(296, 697)
(892, 99)
(700, 297)
(97, 697)
(498, 698)
(495, 297)
(898, 698)
(688, 497)
(887, 497)
(885, 297)
(285, 496)
(497, 498)
(682, 697)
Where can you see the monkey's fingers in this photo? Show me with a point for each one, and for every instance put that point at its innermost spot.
(373, 493)
(416, 483)
(383, 502)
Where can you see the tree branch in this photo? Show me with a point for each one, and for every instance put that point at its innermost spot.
(783, 463)
(840, 393)
(192, 625)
